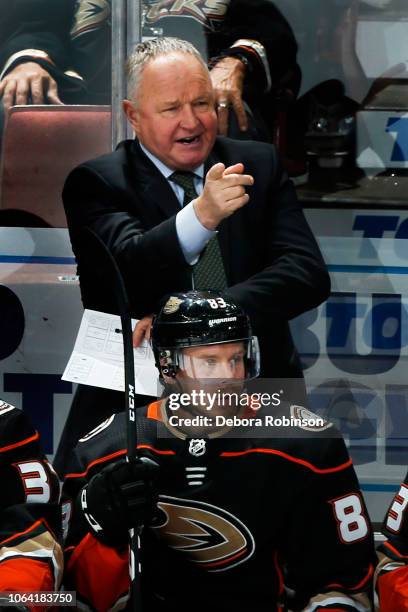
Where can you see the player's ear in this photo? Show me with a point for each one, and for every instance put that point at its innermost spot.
(132, 114)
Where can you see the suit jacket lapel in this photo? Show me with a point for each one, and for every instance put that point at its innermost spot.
(151, 184)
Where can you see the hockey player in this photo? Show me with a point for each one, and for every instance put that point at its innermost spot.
(392, 570)
(230, 519)
(31, 559)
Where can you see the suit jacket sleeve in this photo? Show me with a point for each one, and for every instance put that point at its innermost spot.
(292, 276)
(151, 260)
(42, 25)
(262, 21)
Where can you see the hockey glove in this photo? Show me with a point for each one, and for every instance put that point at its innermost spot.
(121, 496)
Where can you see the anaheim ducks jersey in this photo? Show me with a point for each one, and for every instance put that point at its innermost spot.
(240, 519)
(392, 570)
(31, 558)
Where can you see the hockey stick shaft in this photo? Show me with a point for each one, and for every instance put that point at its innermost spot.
(114, 282)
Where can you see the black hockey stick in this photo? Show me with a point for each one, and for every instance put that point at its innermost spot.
(113, 281)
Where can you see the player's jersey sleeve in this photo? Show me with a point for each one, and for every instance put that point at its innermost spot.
(97, 572)
(31, 557)
(392, 570)
(261, 21)
(329, 548)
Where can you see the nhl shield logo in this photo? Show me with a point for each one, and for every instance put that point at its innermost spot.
(196, 447)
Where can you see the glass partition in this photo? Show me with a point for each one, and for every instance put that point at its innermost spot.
(339, 122)
(354, 99)
(65, 46)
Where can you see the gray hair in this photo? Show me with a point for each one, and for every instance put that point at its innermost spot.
(147, 51)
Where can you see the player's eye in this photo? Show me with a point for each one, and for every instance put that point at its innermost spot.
(236, 362)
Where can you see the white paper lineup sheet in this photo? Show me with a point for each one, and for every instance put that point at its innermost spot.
(97, 358)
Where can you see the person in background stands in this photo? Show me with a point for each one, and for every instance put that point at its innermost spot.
(54, 52)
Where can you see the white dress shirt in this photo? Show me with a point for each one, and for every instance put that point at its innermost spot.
(192, 235)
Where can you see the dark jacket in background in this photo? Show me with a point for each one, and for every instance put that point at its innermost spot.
(76, 36)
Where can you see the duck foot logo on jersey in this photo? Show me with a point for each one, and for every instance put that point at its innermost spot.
(197, 447)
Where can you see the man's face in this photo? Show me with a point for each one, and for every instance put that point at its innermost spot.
(174, 117)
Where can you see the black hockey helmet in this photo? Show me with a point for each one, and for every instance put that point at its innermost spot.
(197, 318)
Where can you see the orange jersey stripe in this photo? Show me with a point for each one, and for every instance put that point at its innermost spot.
(31, 528)
(113, 455)
(227, 560)
(3, 449)
(156, 450)
(271, 451)
(358, 586)
(279, 573)
(395, 550)
(96, 462)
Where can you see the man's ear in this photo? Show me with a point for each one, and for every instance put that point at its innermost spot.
(132, 115)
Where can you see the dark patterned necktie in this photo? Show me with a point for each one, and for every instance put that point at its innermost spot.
(209, 271)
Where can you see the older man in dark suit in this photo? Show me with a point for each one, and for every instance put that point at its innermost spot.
(179, 207)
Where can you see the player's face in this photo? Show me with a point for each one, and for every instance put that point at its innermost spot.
(219, 362)
(174, 117)
(212, 369)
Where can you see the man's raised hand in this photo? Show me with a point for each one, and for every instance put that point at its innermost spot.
(223, 194)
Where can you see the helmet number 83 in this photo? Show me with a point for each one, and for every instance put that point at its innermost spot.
(217, 303)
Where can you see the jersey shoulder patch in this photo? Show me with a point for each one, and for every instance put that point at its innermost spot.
(308, 420)
(5, 407)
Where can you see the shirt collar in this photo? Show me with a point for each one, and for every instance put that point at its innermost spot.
(165, 170)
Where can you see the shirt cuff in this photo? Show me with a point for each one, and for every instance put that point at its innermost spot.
(192, 235)
(256, 48)
(28, 55)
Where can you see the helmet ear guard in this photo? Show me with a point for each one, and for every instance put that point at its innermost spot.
(166, 365)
